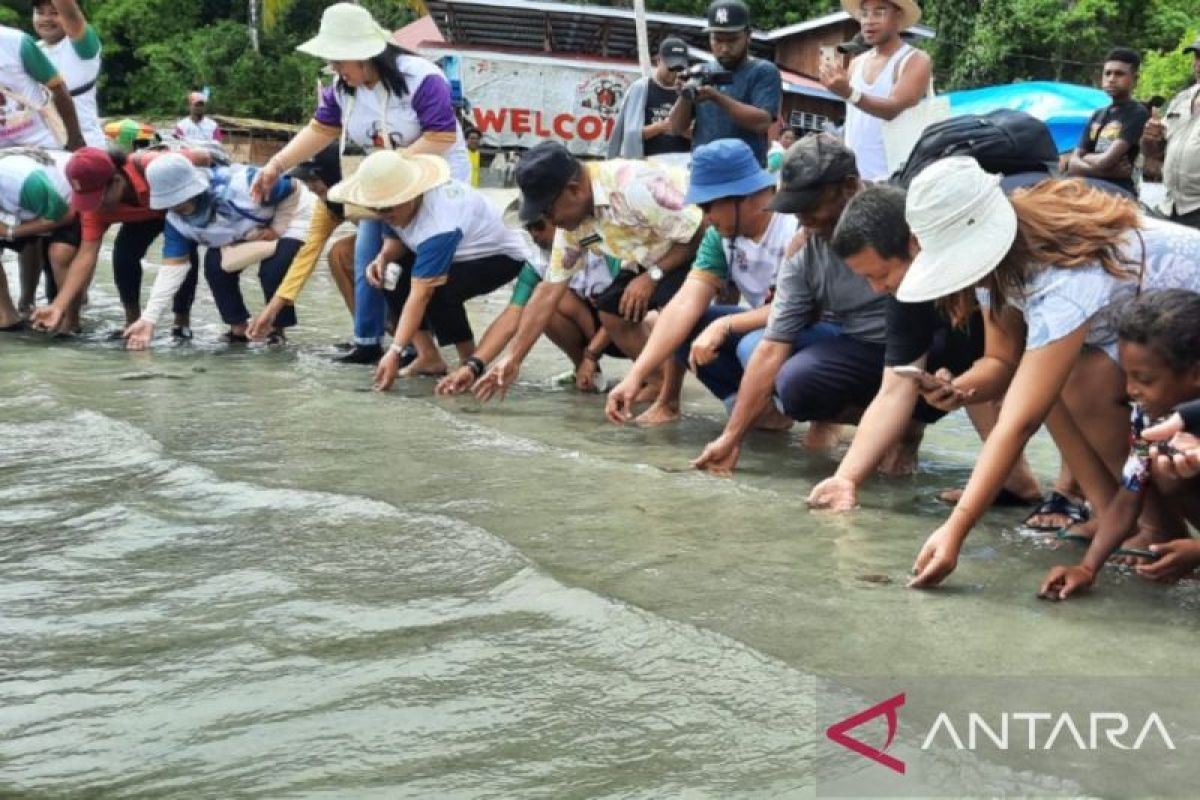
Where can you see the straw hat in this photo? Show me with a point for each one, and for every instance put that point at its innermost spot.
(965, 226)
(348, 33)
(910, 12)
(388, 178)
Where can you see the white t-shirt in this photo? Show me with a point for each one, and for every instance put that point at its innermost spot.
(78, 71)
(19, 124)
(43, 185)
(751, 265)
(204, 130)
(455, 206)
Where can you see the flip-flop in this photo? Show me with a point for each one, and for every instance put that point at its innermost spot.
(1058, 503)
(1065, 535)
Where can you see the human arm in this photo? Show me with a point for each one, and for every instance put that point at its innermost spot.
(1112, 163)
(989, 377)
(1116, 524)
(882, 426)
(73, 22)
(705, 346)
(720, 456)
(1034, 390)
(504, 373)
(37, 65)
(911, 87)
(171, 275)
(682, 115)
(79, 277)
(435, 112)
(674, 323)
(311, 140)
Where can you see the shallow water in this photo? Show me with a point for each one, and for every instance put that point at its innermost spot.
(234, 573)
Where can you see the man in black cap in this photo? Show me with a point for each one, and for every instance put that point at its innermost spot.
(1172, 147)
(815, 371)
(630, 210)
(743, 108)
(643, 128)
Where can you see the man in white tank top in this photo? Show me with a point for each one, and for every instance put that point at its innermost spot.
(882, 83)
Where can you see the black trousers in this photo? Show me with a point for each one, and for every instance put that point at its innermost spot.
(133, 241)
(447, 313)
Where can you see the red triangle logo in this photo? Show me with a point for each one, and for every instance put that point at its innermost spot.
(837, 732)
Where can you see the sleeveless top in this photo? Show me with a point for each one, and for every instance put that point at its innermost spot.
(864, 132)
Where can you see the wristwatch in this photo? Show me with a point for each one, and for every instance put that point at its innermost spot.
(655, 273)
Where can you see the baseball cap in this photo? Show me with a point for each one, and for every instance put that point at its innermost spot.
(674, 53)
(728, 16)
(542, 173)
(809, 165)
(88, 171)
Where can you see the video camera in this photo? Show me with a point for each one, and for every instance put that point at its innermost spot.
(698, 76)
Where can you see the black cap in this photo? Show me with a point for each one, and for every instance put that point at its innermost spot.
(674, 53)
(542, 173)
(325, 165)
(728, 16)
(816, 161)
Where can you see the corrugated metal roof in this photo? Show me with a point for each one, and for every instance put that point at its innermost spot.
(836, 18)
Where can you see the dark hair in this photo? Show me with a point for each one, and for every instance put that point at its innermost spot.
(389, 71)
(1166, 322)
(469, 131)
(1126, 56)
(873, 218)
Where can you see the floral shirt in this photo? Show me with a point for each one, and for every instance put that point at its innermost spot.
(639, 216)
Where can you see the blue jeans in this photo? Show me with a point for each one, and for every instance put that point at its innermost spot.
(724, 374)
(370, 307)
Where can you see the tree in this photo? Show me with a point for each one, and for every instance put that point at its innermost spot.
(1163, 74)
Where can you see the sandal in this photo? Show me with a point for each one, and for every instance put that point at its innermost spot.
(1058, 503)
(1065, 535)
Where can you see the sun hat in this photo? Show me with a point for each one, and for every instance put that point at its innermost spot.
(812, 163)
(388, 178)
(89, 171)
(725, 168)
(910, 12)
(542, 174)
(347, 33)
(964, 224)
(173, 180)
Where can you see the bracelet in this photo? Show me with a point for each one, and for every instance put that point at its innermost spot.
(475, 364)
(593, 357)
(855, 97)
(728, 326)
(396, 348)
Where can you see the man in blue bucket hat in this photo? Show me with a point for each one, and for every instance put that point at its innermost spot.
(745, 243)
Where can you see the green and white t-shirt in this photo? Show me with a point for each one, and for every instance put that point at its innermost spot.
(596, 276)
(24, 72)
(754, 263)
(31, 190)
(78, 62)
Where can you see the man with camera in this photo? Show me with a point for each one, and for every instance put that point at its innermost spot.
(643, 128)
(738, 97)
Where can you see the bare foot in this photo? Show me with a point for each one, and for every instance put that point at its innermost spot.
(425, 368)
(822, 435)
(649, 392)
(658, 414)
(772, 419)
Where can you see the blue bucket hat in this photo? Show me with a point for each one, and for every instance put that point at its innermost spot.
(725, 168)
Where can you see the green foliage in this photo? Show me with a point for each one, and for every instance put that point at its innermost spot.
(9, 17)
(1167, 72)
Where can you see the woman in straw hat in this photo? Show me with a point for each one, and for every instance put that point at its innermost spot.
(458, 247)
(1050, 265)
(384, 98)
(213, 208)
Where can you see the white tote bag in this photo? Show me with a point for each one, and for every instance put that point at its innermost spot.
(900, 135)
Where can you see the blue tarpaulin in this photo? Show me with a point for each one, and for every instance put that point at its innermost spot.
(1064, 107)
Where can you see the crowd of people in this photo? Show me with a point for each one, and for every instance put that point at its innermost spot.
(787, 274)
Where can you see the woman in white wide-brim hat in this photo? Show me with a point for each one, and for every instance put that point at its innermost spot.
(212, 208)
(453, 245)
(1051, 264)
(384, 98)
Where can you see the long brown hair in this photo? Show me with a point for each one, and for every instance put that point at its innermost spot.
(1062, 224)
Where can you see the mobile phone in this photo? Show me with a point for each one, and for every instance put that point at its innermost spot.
(923, 379)
(829, 55)
(1136, 553)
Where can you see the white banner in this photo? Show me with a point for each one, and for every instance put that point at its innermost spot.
(522, 101)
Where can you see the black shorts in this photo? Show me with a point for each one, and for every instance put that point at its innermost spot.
(69, 234)
(612, 349)
(609, 300)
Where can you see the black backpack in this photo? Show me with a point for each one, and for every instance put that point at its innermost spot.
(1003, 141)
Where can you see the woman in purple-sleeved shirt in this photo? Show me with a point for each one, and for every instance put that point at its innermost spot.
(384, 98)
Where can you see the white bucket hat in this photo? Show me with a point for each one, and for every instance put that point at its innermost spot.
(173, 180)
(910, 12)
(388, 178)
(964, 224)
(348, 33)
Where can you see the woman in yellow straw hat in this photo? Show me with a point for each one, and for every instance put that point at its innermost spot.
(384, 98)
(457, 247)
